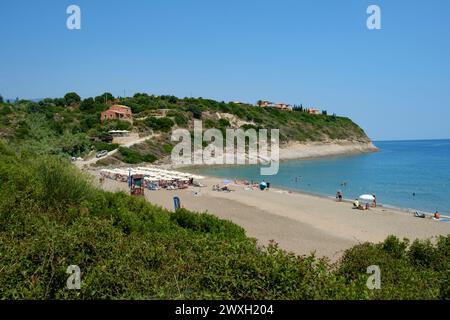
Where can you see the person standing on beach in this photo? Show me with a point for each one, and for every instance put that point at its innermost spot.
(374, 201)
(437, 215)
(339, 195)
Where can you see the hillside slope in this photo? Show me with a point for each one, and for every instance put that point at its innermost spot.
(71, 126)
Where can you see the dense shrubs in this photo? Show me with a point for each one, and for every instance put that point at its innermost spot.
(181, 120)
(133, 156)
(416, 271)
(207, 224)
(159, 124)
(99, 145)
(117, 125)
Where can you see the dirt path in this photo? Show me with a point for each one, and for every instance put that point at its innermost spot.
(88, 162)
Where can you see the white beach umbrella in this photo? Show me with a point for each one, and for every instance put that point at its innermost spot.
(366, 197)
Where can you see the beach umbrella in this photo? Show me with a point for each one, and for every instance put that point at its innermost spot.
(366, 197)
(263, 185)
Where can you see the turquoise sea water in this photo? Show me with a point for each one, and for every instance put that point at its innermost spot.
(400, 170)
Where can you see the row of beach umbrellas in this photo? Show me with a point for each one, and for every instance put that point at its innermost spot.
(154, 174)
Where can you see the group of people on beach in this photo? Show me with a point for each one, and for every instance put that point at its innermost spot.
(356, 203)
(249, 185)
(436, 215)
(359, 206)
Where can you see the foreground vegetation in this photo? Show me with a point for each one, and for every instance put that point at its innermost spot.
(70, 126)
(52, 217)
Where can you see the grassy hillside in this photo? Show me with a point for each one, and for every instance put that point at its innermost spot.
(71, 126)
(51, 217)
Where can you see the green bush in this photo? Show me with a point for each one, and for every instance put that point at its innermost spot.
(205, 223)
(117, 125)
(181, 120)
(209, 123)
(224, 123)
(407, 272)
(159, 124)
(132, 156)
(167, 148)
(72, 98)
(196, 111)
(149, 158)
(5, 110)
(105, 146)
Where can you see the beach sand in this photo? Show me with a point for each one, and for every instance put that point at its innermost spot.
(299, 223)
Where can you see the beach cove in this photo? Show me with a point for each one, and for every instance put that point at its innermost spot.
(305, 220)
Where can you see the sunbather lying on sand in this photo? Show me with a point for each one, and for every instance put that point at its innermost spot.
(224, 188)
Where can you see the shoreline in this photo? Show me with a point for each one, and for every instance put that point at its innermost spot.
(345, 200)
(299, 223)
(348, 200)
(299, 151)
(348, 150)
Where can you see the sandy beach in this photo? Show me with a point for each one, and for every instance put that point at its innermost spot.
(299, 223)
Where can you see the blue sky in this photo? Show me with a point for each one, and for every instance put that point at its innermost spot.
(394, 82)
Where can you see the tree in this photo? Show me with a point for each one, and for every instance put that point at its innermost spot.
(196, 111)
(1, 98)
(72, 98)
(87, 104)
(104, 98)
(5, 110)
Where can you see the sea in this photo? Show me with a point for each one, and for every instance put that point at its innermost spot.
(410, 175)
